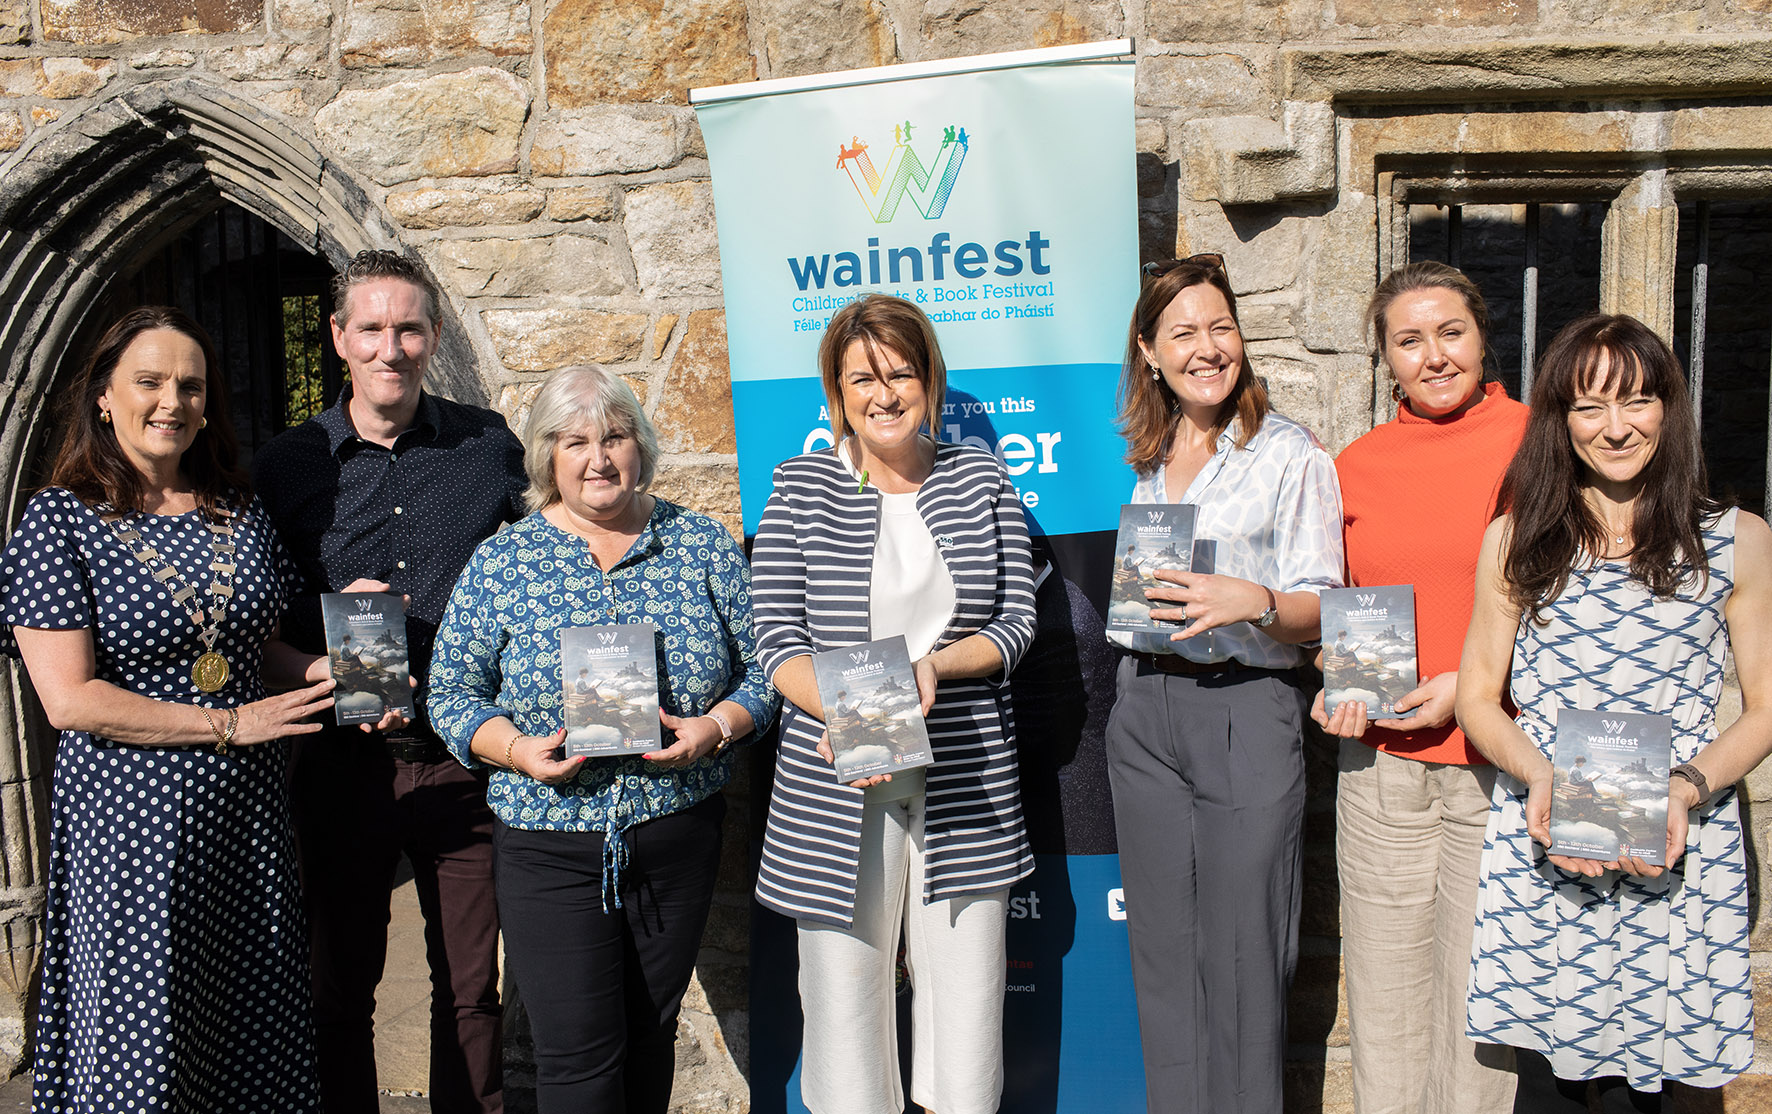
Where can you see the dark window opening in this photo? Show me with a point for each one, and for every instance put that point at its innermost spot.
(1723, 333)
(1537, 264)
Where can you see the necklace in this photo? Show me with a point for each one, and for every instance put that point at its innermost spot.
(210, 671)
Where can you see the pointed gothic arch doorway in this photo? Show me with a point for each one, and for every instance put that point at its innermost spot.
(109, 209)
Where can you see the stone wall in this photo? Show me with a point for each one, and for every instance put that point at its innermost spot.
(541, 157)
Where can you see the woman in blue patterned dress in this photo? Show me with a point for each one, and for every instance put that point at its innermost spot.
(606, 866)
(1614, 583)
(175, 961)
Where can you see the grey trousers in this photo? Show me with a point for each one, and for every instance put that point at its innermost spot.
(1208, 780)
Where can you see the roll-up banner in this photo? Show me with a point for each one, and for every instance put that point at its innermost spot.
(997, 193)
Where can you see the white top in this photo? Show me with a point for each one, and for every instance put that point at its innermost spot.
(910, 592)
(1274, 508)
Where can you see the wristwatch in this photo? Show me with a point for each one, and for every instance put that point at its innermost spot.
(1691, 773)
(1266, 618)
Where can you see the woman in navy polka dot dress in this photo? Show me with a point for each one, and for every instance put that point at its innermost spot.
(175, 968)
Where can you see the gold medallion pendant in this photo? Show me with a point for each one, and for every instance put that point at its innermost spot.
(210, 671)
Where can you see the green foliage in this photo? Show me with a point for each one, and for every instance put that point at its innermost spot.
(304, 385)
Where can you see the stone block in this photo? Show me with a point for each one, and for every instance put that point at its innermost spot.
(1265, 320)
(607, 139)
(544, 339)
(661, 334)
(711, 489)
(12, 131)
(1196, 83)
(1319, 1086)
(514, 401)
(694, 412)
(670, 230)
(419, 32)
(1405, 14)
(953, 27)
(56, 78)
(290, 101)
(587, 203)
(823, 36)
(643, 50)
(15, 22)
(161, 60)
(452, 125)
(1747, 1094)
(1259, 256)
(1445, 71)
(1248, 160)
(556, 266)
(1338, 277)
(115, 21)
(1149, 136)
(41, 116)
(271, 61)
(301, 15)
(1208, 21)
(435, 208)
(729, 926)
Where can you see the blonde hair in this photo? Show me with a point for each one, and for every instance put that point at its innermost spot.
(585, 396)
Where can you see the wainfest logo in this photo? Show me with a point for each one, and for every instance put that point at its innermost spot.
(928, 184)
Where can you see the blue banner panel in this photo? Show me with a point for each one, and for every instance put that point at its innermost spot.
(1052, 426)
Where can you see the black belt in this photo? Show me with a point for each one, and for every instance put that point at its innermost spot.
(1175, 663)
(412, 748)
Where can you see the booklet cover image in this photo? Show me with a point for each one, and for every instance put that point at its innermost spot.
(1610, 787)
(872, 713)
(1152, 536)
(366, 641)
(1369, 648)
(610, 676)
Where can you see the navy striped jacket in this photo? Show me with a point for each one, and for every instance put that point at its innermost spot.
(810, 568)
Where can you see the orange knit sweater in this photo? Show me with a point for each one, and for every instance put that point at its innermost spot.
(1416, 495)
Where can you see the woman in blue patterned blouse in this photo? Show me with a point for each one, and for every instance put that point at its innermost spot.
(605, 865)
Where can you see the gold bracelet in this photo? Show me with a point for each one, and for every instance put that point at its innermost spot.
(221, 741)
(233, 726)
(509, 747)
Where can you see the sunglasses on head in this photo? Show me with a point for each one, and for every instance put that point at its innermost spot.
(1211, 259)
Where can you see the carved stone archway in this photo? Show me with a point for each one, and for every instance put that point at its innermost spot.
(78, 208)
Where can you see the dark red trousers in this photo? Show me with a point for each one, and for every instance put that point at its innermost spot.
(356, 811)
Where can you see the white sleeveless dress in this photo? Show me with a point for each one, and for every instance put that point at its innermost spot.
(1645, 978)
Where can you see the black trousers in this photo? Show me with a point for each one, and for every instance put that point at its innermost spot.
(1541, 1092)
(356, 811)
(603, 989)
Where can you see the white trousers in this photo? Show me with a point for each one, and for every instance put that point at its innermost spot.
(957, 963)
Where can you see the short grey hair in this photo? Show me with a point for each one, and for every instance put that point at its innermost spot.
(572, 398)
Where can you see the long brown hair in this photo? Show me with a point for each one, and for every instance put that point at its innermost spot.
(883, 321)
(1148, 408)
(1551, 526)
(91, 464)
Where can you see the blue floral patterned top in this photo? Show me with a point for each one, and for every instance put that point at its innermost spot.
(498, 654)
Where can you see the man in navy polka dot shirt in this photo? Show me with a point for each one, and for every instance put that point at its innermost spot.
(391, 489)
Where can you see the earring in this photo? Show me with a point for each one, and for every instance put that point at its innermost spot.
(202, 423)
(1397, 395)
(104, 415)
(1156, 375)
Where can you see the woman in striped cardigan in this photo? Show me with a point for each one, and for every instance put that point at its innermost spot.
(892, 532)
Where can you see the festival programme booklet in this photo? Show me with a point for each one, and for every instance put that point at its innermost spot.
(871, 709)
(610, 675)
(1610, 788)
(366, 640)
(1152, 536)
(1369, 648)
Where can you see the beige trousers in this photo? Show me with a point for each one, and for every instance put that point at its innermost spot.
(1409, 837)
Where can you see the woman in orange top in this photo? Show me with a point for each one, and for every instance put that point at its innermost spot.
(1413, 797)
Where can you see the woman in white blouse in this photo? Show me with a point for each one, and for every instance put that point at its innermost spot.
(895, 533)
(1205, 740)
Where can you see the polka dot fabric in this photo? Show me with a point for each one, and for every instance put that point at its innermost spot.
(175, 963)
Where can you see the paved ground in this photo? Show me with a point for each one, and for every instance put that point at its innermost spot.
(402, 1015)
